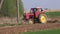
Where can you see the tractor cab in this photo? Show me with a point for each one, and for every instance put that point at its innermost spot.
(36, 9)
(36, 12)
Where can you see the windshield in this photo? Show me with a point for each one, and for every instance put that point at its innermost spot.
(33, 9)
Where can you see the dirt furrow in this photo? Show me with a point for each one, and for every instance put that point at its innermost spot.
(25, 28)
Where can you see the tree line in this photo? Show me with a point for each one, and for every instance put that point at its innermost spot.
(9, 8)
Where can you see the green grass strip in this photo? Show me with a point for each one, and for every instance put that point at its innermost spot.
(54, 31)
(52, 14)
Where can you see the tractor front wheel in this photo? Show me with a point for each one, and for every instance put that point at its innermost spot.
(31, 21)
(42, 18)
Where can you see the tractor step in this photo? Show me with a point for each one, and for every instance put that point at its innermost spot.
(36, 21)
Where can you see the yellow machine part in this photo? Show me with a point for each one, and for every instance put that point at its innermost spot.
(30, 21)
(43, 18)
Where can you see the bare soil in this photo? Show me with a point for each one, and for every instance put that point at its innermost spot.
(26, 28)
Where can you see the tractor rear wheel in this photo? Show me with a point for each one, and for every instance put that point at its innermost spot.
(30, 21)
(42, 18)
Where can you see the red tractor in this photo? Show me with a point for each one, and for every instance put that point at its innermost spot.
(36, 15)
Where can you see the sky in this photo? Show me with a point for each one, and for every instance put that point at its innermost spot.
(51, 4)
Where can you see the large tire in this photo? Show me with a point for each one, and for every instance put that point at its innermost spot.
(42, 18)
(31, 21)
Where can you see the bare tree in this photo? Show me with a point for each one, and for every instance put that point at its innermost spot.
(1, 2)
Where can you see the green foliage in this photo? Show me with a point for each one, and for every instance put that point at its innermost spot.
(52, 14)
(21, 8)
(54, 31)
(9, 8)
